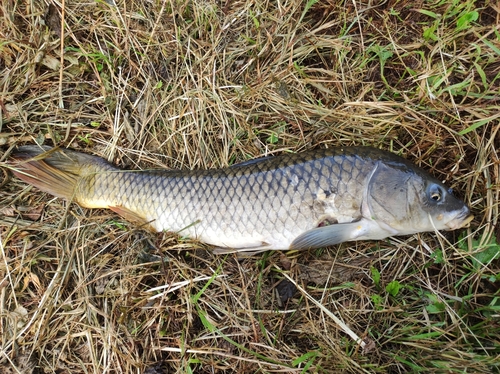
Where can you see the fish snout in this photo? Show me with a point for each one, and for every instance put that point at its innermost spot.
(462, 219)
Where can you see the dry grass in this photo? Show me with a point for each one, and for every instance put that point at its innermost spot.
(203, 84)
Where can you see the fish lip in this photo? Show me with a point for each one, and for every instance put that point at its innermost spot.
(462, 219)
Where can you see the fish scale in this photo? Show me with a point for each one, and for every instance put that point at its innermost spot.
(302, 200)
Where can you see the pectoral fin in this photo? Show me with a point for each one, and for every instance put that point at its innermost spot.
(328, 235)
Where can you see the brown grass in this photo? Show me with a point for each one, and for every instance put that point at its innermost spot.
(204, 84)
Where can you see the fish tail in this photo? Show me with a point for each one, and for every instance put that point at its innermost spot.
(53, 170)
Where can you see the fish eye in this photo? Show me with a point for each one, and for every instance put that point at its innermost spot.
(435, 193)
(436, 196)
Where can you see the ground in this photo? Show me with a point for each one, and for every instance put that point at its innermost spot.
(206, 84)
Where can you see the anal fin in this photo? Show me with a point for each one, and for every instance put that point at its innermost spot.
(133, 217)
(242, 252)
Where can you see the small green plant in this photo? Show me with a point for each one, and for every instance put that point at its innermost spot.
(85, 138)
(255, 20)
(465, 19)
(308, 6)
(193, 361)
(485, 250)
(375, 276)
(378, 301)
(434, 306)
(384, 53)
(98, 58)
(437, 257)
(273, 138)
(393, 288)
(118, 224)
(307, 359)
(459, 13)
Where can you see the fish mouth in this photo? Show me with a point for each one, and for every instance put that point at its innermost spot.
(462, 219)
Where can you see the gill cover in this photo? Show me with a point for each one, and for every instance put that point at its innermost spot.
(392, 195)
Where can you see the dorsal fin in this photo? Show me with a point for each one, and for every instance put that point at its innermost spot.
(252, 162)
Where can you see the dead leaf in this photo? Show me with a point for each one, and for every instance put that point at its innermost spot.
(370, 345)
(51, 62)
(8, 211)
(31, 213)
(285, 290)
(322, 271)
(285, 262)
(53, 20)
(20, 314)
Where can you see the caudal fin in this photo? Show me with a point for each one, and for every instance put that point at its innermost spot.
(52, 170)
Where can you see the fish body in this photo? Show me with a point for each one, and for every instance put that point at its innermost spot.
(294, 201)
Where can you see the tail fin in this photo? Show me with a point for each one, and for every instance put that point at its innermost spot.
(53, 170)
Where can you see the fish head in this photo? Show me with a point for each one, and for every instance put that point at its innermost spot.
(405, 200)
